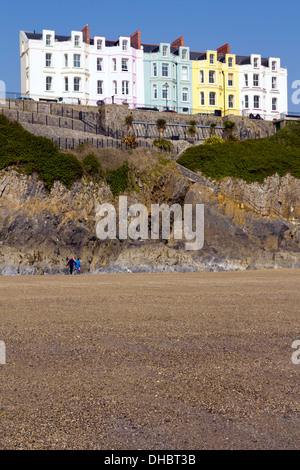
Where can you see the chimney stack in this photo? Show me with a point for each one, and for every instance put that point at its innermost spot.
(135, 39)
(86, 34)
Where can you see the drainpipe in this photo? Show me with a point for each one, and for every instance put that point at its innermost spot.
(224, 105)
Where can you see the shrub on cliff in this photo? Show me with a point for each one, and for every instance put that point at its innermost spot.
(163, 144)
(23, 150)
(214, 140)
(118, 179)
(92, 165)
(250, 160)
(130, 142)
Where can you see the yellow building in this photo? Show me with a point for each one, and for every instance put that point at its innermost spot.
(215, 82)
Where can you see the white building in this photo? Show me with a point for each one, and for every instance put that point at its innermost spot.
(262, 86)
(80, 68)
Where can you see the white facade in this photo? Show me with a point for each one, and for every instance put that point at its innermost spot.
(75, 67)
(262, 87)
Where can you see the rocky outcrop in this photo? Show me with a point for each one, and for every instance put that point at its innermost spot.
(40, 230)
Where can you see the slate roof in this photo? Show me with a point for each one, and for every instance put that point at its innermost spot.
(38, 36)
(152, 48)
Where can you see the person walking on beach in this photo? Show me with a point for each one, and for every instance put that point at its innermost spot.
(71, 263)
(77, 266)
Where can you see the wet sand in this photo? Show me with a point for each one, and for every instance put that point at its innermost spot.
(150, 361)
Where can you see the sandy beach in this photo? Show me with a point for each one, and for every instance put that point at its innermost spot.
(150, 361)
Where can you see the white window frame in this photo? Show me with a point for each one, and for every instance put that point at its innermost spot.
(66, 59)
(246, 101)
(77, 84)
(274, 66)
(154, 91)
(230, 62)
(212, 94)
(274, 83)
(256, 80)
(165, 51)
(274, 104)
(48, 40)
(114, 64)
(76, 41)
(246, 79)
(77, 61)
(99, 44)
(124, 45)
(202, 98)
(256, 102)
(230, 81)
(201, 76)
(99, 87)
(184, 54)
(211, 74)
(165, 68)
(115, 87)
(183, 75)
(48, 59)
(48, 83)
(99, 64)
(165, 92)
(230, 101)
(154, 69)
(125, 87)
(185, 94)
(66, 81)
(124, 64)
(211, 59)
(256, 62)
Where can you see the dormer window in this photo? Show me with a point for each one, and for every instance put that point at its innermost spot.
(124, 45)
(165, 51)
(76, 41)
(48, 39)
(274, 66)
(99, 44)
(255, 62)
(211, 59)
(184, 54)
(230, 62)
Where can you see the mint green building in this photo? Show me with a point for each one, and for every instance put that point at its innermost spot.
(168, 77)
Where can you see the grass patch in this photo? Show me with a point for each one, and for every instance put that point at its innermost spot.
(35, 154)
(250, 160)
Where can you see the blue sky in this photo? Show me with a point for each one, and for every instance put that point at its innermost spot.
(266, 27)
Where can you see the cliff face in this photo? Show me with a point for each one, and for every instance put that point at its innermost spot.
(39, 230)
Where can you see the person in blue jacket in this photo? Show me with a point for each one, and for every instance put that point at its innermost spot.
(77, 266)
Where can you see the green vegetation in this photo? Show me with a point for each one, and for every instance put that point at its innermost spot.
(161, 125)
(128, 122)
(92, 165)
(32, 154)
(192, 129)
(163, 144)
(213, 125)
(118, 179)
(250, 160)
(214, 140)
